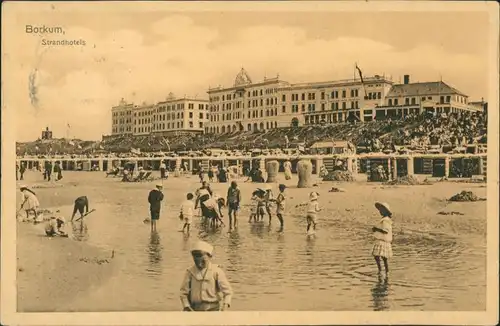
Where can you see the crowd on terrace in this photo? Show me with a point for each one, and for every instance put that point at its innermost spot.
(415, 132)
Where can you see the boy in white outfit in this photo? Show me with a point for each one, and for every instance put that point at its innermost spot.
(187, 212)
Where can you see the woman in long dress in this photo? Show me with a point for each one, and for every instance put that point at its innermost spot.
(30, 202)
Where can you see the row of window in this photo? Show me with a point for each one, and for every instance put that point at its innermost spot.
(180, 115)
(413, 100)
(255, 126)
(311, 96)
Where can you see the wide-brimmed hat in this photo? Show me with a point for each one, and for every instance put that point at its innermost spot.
(313, 195)
(24, 187)
(159, 185)
(383, 207)
(203, 247)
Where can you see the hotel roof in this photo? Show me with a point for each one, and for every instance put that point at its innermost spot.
(426, 88)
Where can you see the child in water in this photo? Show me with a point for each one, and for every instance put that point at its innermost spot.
(383, 237)
(55, 226)
(312, 211)
(205, 286)
(253, 208)
(187, 212)
(280, 203)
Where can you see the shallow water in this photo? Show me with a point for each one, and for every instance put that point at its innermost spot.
(268, 271)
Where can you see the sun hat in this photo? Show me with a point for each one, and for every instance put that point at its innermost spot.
(203, 247)
(159, 185)
(313, 195)
(383, 206)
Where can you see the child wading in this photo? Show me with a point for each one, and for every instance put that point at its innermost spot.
(383, 237)
(280, 203)
(55, 226)
(81, 205)
(187, 212)
(312, 211)
(205, 286)
(155, 197)
(30, 202)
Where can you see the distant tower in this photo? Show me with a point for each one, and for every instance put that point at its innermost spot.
(46, 134)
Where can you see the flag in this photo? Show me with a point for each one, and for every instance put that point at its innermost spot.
(360, 73)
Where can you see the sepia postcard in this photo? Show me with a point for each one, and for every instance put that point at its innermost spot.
(249, 163)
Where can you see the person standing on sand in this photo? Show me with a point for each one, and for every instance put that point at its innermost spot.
(288, 170)
(205, 283)
(30, 202)
(233, 204)
(155, 198)
(81, 204)
(383, 237)
(163, 168)
(22, 169)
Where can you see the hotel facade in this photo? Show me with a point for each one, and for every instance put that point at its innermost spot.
(172, 115)
(274, 103)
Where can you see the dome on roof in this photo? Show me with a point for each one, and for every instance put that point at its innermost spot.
(242, 78)
(170, 96)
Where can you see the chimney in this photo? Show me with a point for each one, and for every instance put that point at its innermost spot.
(406, 79)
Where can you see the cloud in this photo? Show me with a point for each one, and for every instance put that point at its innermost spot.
(79, 85)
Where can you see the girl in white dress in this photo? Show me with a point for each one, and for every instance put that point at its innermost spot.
(30, 202)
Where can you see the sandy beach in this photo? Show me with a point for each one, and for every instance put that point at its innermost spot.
(52, 277)
(52, 271)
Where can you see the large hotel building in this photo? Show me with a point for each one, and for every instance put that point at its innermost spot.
(274, 103)
(172, 115)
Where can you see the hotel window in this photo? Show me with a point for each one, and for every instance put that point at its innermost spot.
(322, 95)
(379, 95)
(223, 97)
(261, 102)
(413, 101)
(190, 115)
(283, 98)
(260, 92)
(303, 107)
(343, 94)
(323, 106)
(303, 96)
(191, 106)
(343, 105)
(448, 98)
(407, 101)
(201, 124)
(396, 101)
(201, 115)
(261, 113)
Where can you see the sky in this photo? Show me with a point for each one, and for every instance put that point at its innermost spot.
(142, 56)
